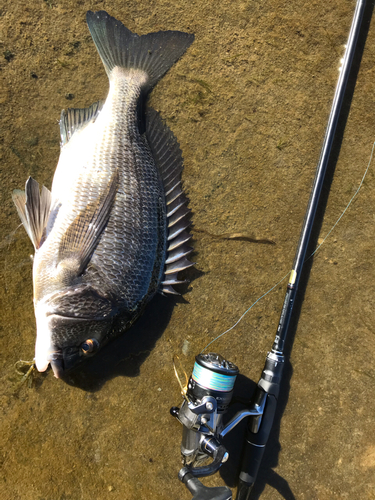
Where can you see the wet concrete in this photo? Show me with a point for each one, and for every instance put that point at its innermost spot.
(249, 104)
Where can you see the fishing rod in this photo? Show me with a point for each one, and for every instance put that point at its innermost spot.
(210, 388)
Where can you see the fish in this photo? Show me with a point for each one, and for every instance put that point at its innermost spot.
(114, 229)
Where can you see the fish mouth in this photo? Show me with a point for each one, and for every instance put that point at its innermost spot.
(57, 365)
(63, 362)
(59, 341)
(55, 359)
(46, 351)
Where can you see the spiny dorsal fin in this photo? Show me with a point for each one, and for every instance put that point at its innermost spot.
(168, 158)
(82, 236)
(33, 209)
(76, 118)
(165, 150)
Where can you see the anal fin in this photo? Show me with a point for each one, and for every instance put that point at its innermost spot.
(169, 290)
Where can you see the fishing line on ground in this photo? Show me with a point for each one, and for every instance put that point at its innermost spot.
(8, 239)
(244, 314)
(309, 257)
(347, 206)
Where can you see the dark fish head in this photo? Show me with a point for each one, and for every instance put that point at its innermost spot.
(65, 339)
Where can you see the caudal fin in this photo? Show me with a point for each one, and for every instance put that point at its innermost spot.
(154, 53)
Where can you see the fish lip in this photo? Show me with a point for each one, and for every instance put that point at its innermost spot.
(57, 366)
(61, 362)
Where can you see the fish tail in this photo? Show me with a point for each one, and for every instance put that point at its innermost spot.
(154, 53)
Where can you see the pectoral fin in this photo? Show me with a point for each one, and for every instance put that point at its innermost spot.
(82, 236)
(33, 209)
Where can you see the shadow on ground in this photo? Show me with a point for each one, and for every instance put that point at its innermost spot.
(124, 355)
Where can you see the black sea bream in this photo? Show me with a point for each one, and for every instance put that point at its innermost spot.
(113, 230)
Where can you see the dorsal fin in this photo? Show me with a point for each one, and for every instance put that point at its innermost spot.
(168, 158)
(76, 118)
(165, 150)
(33, 209)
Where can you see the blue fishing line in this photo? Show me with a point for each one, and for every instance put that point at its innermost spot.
(212, 380)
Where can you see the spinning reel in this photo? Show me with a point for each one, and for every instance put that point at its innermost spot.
(208, 396)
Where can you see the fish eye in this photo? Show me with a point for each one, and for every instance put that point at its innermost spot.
(89, 346)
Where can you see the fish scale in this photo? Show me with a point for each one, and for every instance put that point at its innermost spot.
(139, 183)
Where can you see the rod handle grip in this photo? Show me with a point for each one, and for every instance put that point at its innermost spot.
(253, 451)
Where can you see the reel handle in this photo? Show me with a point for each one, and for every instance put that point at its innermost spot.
(217, 451)
(201, 492)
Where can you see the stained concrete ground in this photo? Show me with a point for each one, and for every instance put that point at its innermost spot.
(249, 103)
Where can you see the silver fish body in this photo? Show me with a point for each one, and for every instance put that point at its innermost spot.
(102, 234)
